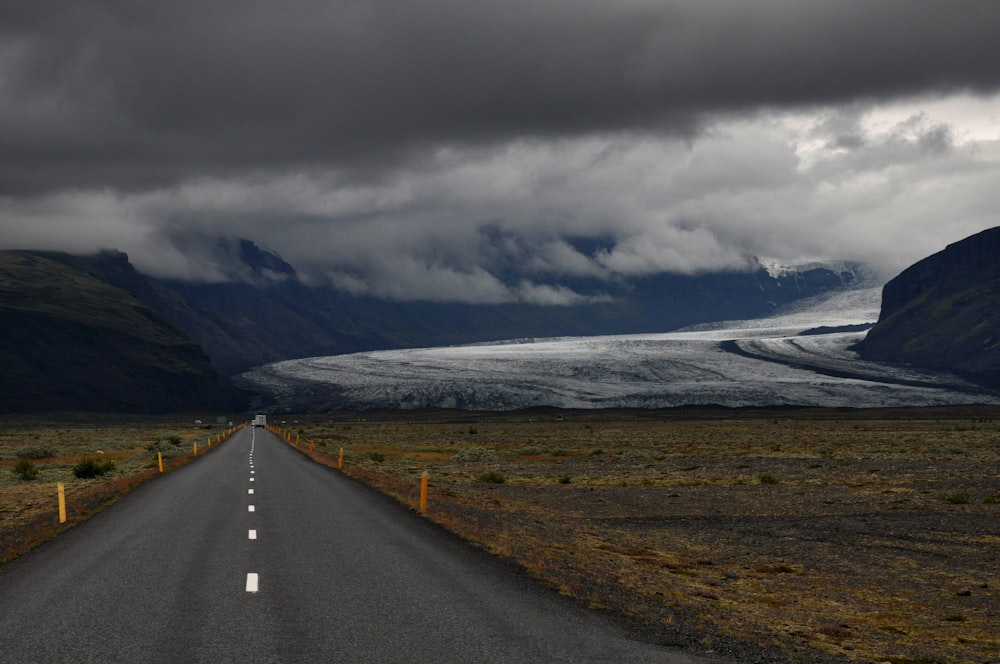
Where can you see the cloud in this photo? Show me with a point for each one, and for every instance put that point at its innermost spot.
(133, 95)
(506, 225)
(496, 152)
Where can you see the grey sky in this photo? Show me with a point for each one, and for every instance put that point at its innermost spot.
(424, 149)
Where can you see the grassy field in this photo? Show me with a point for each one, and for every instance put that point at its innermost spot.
(769, 536)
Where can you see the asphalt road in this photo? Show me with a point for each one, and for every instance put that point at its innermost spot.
(336, 573)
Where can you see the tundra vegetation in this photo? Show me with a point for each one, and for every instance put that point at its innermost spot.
(857, 536)
(867, 536)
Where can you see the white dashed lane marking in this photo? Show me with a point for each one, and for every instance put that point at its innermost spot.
(253, 581)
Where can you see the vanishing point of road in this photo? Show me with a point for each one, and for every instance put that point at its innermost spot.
(254, 553)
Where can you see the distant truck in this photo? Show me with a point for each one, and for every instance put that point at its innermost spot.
(260, 420)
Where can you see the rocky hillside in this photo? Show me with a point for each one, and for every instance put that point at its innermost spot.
(72, 341)
(944, 312)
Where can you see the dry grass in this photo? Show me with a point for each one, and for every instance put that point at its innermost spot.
(812, 534)
(29, 509)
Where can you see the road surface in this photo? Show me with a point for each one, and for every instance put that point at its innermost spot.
(255, 554)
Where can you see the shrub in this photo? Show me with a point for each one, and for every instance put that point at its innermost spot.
(781, 568)
(37, 453)
(88, 468)
(835, 631)
(377, 457)
(958, 498)
(491, 477)
(474, 453)
(174, 440)
(767, 478)
(892, 629)
(565, 479)
(992, 500)
(825, 452)
(25, 470)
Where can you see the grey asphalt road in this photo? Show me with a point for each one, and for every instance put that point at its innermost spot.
(342, 575)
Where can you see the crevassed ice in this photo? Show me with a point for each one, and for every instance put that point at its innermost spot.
(772, 365)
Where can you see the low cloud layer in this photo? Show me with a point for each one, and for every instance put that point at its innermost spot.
(485, 151)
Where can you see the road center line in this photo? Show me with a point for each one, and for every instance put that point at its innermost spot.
(251, 479)
(252, 535)
(251, 508)
(250, 491)
(252, 582)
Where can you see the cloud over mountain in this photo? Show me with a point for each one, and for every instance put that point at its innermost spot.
(461, 150)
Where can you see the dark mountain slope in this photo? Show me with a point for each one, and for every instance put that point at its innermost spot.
(944, 312)
(287, 319)
(270, 315)
(70, 341)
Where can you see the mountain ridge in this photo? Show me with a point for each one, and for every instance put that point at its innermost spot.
(283, 318)
(72, 341)
(151, 344)
(943, 312)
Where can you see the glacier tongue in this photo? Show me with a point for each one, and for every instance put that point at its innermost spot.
(760, 362)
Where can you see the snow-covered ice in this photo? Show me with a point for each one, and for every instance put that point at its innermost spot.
(758, 362)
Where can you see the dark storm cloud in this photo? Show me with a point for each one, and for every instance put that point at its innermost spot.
(135, 94)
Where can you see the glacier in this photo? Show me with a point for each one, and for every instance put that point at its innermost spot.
(800, 357)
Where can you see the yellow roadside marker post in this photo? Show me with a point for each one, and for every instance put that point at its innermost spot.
(159, 460)
(423, 492)
(340, 459)
(196, 448)
(62, 502)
